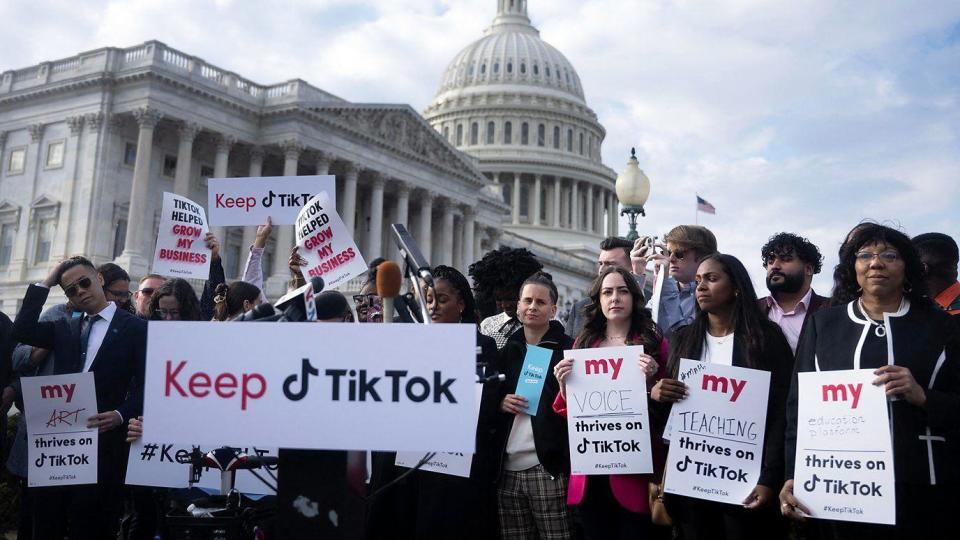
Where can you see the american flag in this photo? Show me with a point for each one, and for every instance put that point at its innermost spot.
(705, 207)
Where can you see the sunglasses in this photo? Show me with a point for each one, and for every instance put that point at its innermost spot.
(74, 289)
(146, 291)
(364, 300)
(123, 295)
(678, 254)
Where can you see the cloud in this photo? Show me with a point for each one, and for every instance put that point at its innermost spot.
(805, 117)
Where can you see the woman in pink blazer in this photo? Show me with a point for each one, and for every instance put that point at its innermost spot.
(616, 506)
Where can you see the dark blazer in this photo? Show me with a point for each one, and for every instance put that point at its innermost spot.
(118, 368)
(549, 428)
(778, 360)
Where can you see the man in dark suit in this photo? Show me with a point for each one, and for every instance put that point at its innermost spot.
(110, 343)
(791, 262)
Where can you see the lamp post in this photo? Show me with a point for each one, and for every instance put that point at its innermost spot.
(633, 190)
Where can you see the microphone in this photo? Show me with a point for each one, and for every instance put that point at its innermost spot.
(389, 280)
(262, 313)
(298, 305)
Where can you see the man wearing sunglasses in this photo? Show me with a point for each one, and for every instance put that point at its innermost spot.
(110, 343)
(685, 246)
(144, 292)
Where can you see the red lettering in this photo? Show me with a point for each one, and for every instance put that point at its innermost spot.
(171, 379)
(187, 230)
(199, 383)
(226, 381)
(235, 202)
(247, 394)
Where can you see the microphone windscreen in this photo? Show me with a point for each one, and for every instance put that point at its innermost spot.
(317, 283)
(389, 280)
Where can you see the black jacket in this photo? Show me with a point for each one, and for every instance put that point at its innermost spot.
(118, 368)
(778, 360)
(549, 428)
(923, 339)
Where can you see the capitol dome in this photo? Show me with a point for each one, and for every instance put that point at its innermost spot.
(516, 104)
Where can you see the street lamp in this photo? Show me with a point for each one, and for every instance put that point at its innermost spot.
(633, 190)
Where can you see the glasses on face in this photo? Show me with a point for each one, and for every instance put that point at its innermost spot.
(168, 314)
(74, 289)
(677, 254)
(867, 257)
(146, 291)
(364, 300)
(122, 295)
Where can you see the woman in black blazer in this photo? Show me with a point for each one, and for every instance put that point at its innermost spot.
(730, 329)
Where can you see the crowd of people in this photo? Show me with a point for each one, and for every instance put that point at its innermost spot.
(894, 309)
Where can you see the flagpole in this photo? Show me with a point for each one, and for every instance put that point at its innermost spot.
(696, 211)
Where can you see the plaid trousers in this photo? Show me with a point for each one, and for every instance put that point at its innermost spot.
(533, 505)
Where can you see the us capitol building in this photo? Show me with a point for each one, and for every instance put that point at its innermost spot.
(508, 153)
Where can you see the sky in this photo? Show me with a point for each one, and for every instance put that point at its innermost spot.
(805, 117)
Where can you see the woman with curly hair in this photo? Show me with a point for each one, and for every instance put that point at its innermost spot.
(234, 299)
(175, 300)
(616, 505)
(889, 325)
(497, 278)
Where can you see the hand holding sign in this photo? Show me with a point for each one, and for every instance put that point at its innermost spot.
(514, 404)
(899, 381)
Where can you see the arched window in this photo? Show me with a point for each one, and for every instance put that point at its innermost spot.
(508, 133)
(556, 137)
(496, 67)
(557, 68)
(569, 140)
(581, 143)
(459, 134)
(536, 69)
(471, 70)
(483, 68)
(523, 68)
(446, 133)
(490, 131)
(524, 133)
(509, 67)
(541, 135)
(548, 71)
(475, 135)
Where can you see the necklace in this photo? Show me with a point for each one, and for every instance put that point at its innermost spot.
(721, 340)
(880, 328)
(618, 338)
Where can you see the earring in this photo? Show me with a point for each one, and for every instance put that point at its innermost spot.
(907, 287)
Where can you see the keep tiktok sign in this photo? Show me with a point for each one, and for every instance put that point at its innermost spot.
(607, 412)
(315, 386)
(844, 467)
(716, 449)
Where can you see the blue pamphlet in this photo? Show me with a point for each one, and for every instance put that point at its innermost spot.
(536, 365)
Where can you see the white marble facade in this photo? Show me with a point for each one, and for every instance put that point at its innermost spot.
(89, 143)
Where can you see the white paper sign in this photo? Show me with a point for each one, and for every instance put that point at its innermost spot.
(607, 412)
(717, 447)
(61, 449)
(153, 464)
(659, 276)
(248, 201)
(844, 468)
(452, 463)
(326, 245)
(312, 386)
(181, 251)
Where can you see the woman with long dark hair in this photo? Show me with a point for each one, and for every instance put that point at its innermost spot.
(730, 329)
(888, 324)
(615, 506)
(234, 299)
(175, 300)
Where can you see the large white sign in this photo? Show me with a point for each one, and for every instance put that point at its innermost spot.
(181, 251)
(607, 412)
(717, 446)
(844, 467)
(155, 464)
(314, 386)
(248, 201)
(452, 463)
(324, 242)
(61, 449)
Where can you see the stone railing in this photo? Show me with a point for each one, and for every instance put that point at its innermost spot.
(157, 57)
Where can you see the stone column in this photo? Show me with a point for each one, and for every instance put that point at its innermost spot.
(188, 133)
(589, 224)
(349, 203)
(574, 204)
(256, 169)
(446, 251)
(21, 248)
(276, 284)
(221, 169)
(515, 199)
(478, 237)
(401, 215)
(133, 259)
(614, 216)
(324, 160)
(59, 249)
(456, 258)
(535, 211)
(557, 189)
(424, 234)
(494, 238)
(598, 204)
(375, 234)
(469, 231)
